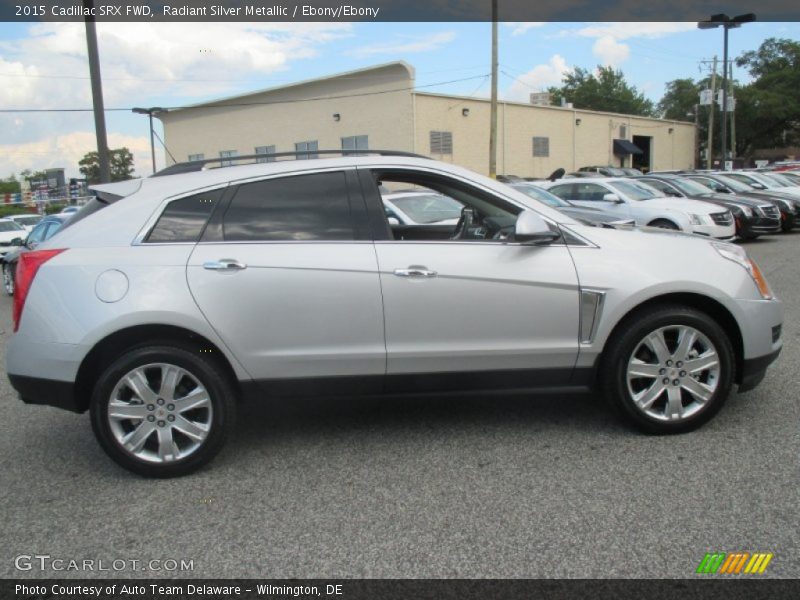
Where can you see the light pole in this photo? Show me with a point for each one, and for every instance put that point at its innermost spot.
(726, 22)
(149, 112)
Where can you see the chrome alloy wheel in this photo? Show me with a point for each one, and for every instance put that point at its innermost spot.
(673, 372)
(160, 413)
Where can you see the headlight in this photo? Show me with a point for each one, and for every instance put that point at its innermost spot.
(696, 219)
(739, 256)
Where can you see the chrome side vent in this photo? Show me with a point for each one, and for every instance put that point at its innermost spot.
(591, 309)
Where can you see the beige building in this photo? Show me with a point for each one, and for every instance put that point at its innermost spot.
(378, 108)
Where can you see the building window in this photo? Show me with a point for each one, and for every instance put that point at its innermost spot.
(194, 157)
(227, 154)
(441, 142)
(265, 150)
(356, 143)
(541, 146)
(309, 147)
(623, 132)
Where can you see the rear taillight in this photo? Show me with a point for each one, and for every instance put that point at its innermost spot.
(28, 265)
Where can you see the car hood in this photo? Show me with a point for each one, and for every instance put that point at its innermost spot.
(7, 236)
(696, 207)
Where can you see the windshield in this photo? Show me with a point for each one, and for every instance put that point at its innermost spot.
(428, 208)
(778, 179)
(691, 188)
(542, 195)
(6, 226)
(749, 179)
(734, 184)
(32, 220)
(635, 191)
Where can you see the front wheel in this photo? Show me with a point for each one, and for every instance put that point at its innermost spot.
(8, 278)
(664, 224)
(162, 411)
(669, 370)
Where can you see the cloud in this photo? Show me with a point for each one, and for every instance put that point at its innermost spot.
(414, 44)
(141, 64)
(610, 52)
(625, 30)
(538, 79)
(65, 150)
(523, 28)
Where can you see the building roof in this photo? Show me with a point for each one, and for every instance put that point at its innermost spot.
(364, 73)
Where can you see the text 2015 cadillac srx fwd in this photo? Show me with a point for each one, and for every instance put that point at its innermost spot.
(169, 299)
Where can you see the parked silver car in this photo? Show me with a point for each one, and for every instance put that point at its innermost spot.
(167, 300)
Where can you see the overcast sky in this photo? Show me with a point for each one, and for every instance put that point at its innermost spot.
(44, 65)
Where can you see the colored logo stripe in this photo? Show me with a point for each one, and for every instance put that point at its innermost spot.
(734, 563)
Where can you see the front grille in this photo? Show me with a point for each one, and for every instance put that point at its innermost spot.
(769, 211)
(722, 218)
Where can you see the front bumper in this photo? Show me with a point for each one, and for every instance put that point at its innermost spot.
(756, 225)
(719, 232)
(754, 370)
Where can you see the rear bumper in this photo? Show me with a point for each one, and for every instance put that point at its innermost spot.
(48, 392)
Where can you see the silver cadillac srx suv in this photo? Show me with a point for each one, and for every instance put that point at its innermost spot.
(168, 300)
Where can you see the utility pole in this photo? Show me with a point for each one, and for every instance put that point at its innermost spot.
(493, 117)
(733, 118)
(97, 94)
(710, 145)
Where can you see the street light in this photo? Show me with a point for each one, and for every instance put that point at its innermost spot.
(726, 22)
(149, 112)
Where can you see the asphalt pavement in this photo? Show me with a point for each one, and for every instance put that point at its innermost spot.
(491, 486)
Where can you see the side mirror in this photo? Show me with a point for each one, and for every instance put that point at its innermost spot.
(531, 229)
(758, 186)
(16, 242)
(612, 198)
(394, 221)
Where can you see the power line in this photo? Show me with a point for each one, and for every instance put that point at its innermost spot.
(165, 146)
(240, 104)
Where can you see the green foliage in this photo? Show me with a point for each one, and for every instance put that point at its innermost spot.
(9, 185)
(11, 209)
(768, 110)
(606, 91)
(121, 165)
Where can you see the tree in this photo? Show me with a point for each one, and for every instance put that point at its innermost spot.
(768, 110)
(121, 165)
(606, 90)
(9, 185)
(679, 100)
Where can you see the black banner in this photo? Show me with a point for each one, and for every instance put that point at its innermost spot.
(388, 10)
(416, 589)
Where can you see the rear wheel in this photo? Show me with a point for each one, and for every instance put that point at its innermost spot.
(669, 369)
(162, 411)
(8, 278)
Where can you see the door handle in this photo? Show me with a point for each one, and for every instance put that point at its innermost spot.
(415, 271)
(224, 264)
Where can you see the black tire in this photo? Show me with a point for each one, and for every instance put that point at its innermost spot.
(219, 388)
(9, 282)
(624, 342)
(664, 224)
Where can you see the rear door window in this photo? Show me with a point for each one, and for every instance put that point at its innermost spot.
(313, 207)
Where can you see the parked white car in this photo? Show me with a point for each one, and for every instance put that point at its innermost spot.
(645, 205)
(10, 231)
(28, 221)
(421, 208)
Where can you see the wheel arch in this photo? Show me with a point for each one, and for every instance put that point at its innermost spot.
(113, 345)
(706, 304)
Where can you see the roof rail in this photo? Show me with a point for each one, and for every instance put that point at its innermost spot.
(200, 165)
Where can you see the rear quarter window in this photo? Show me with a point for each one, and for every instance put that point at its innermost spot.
(183, 220)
